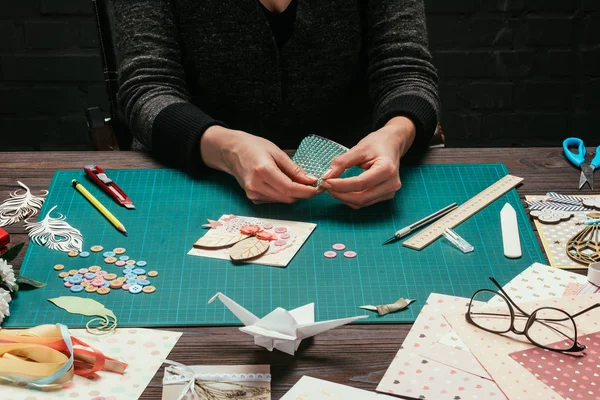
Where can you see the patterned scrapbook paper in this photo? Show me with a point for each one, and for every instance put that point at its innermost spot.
(571, 377)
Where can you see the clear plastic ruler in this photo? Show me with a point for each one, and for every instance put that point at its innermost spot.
(469, 208)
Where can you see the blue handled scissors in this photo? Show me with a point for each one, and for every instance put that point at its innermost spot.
(579, 160)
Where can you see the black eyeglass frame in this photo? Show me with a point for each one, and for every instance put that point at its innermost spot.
(531, 318)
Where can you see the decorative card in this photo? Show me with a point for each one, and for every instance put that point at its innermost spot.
(284, 239)
(492, 350)
(222, 382)
(308, 388)
(424, 369)
(571, 377)
(555, 236)
(143, 349)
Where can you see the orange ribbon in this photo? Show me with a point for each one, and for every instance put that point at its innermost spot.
(255, 230)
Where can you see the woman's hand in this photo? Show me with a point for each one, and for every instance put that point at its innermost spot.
(378, 155)
(263, 170)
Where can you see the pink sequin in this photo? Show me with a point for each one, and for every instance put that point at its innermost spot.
(280, 242)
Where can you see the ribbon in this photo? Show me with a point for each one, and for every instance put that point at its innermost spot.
(255, 230)
(47, 356)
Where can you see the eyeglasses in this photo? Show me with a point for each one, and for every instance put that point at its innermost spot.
(547, 327)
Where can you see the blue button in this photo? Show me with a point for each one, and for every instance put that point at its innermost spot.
(108, 254)
(124, 258)
(76, 288)
(106, 284)
(139, 271)
(78, 276)
(135, 289)
(130, 276)
(67, 279)
(127, 271)
(131, 281)
(143, 282)
(90, 275)
(84, 254)
(141, 263)
(76, 281)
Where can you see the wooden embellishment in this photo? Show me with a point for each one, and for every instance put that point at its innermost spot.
(218, 240)
(584, 247)
(549, 216)
(248, 248)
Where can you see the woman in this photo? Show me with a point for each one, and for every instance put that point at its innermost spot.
(228, 84)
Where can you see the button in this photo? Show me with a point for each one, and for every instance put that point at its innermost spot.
(126, 286)
(119, 250)
(110, 260)
(90, 275)
(101, 273)
(73, 253)
(85, 283)
(67, 279)
(132, 282)
(76, 288)
(141, 277)
(107, 254)
(139, 271)
(281, 229)
(63, 275)
(68, 284)
(84, 254)
(141, 263)
(103, 290)
(110, 277)
(267, 226)
(280, 242)
(124, 258)
(106, 284)
(130, 262)
(285, 236)
(94, 268)
(91, 289)
(143, 282)
(73, 272)
(78, 276)
(98, 282)
(131, 276)
(97, 248)
(338, 246)
(76, 281)
(127, 270)
(349, 254)
(83, 271)
(330, 254)
(135, 289)
(59, 267)
(120, 263)
(152, 274)
(149, 289)
(116, 284)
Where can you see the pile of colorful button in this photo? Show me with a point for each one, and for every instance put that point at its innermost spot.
(339, 247)
(95, 280)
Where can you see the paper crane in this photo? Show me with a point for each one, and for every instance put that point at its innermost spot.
(281, 329)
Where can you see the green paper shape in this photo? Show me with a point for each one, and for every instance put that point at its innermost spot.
(12, 253)
(89, 307)
(22, 280)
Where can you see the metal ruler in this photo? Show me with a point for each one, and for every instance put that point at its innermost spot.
(462, 213)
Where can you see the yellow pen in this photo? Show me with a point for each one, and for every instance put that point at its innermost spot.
(113, 220)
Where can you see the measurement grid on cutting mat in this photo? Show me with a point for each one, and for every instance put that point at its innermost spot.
(170, 211)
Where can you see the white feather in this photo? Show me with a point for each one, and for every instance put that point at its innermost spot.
(20, 206)
(55, 233)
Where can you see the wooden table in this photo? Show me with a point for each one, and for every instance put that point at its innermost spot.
(357, 355)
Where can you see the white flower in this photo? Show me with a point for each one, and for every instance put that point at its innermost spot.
(5, 295)
(4, 300)
(7, 275)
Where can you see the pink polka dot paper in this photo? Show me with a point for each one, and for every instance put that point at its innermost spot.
(571, 377)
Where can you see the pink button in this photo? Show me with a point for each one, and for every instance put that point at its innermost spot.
(339, 246)
(98, 282)
(349, 254)
(83, 271)
(281, 229)
(285, 236)
(330, 254)
(280, 242)
(101, 273)
(267, 226)
(126, 286)
(68, 284)
(120, 263)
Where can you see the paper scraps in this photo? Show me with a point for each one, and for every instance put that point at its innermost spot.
(106, 319)
(55, 233)
(281, 329)
(308, 388)
(46, 357)
(384, 309)
(559, 202)
(592, 202)
(20, 205)
(254, 240)
(549, 216)
(216, 382)
(144, 350)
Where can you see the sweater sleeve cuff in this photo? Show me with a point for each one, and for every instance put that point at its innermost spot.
(417, 109)
(176, 133)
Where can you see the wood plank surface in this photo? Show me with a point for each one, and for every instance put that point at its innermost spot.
(354, 355)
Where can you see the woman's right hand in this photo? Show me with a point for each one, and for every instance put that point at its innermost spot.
(263, 170)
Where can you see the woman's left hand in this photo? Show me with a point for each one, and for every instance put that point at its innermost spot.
(378, 154)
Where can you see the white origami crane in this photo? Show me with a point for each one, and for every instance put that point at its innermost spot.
(281, 329)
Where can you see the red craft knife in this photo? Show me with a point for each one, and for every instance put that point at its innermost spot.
(100, 178)
(4, 240)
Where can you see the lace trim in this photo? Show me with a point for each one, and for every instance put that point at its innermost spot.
(177, 377)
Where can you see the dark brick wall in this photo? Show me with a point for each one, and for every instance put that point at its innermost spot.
(512, 72)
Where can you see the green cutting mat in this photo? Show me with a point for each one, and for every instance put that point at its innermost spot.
(170, 209)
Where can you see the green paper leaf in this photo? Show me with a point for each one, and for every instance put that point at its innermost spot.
(83, 306)
(12, 253)
(22, 280)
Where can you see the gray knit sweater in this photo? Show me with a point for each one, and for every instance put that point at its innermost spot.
(350, 66)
